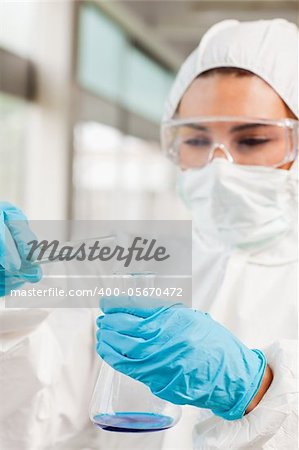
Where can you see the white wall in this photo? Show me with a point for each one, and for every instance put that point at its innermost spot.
(42, 31)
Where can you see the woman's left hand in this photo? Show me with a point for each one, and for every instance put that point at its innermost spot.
(181, 354)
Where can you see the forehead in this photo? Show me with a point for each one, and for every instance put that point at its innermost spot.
(229, 95)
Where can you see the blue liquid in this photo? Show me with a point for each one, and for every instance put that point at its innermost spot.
(133, 422)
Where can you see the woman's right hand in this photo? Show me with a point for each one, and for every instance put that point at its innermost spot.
(15, 234)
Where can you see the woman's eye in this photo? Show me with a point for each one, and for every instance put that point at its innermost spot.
(252, 142)
(198, 142)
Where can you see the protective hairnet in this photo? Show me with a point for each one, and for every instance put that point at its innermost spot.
(268, 48)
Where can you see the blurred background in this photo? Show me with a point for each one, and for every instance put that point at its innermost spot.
(82, 88)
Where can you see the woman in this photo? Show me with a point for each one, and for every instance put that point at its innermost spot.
(231, 126)
(233, 135)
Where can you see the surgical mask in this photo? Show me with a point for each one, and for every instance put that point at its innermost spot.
(239, 205)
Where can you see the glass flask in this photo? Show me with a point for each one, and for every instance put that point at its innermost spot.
(120, 403)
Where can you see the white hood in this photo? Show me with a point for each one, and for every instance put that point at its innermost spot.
(268, 48)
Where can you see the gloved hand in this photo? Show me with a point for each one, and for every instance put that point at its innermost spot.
(14, 235)
(182, 355)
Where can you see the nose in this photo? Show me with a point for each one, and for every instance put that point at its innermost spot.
(220, 151)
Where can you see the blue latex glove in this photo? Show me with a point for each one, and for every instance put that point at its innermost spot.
(183, 355)
(15, 270)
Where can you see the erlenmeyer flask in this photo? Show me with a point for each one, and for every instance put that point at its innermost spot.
(120, 403)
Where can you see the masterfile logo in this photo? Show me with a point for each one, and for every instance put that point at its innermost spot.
(141, 249)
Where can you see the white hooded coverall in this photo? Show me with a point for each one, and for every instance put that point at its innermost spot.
(252, 292)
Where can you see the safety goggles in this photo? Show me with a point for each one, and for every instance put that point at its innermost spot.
(194, 142)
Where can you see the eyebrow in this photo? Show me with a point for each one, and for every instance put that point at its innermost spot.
(235, 129)
(195, 126)
(247, 126)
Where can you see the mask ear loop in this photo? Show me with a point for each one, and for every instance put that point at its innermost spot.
(225, 151)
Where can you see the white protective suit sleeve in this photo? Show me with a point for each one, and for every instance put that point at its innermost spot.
(48, 369)
(271, 425)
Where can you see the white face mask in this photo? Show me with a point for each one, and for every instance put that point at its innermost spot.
(239, 205)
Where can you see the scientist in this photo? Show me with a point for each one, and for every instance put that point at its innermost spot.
(231, 126)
